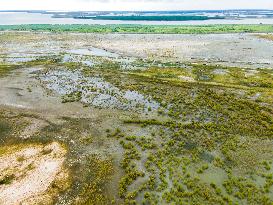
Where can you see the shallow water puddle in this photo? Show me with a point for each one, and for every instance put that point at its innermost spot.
(94, 52)
(69, 58)
(95, 91)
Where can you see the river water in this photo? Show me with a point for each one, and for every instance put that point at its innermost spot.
(16, 18)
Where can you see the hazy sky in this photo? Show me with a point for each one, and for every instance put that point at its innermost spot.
(92, 5)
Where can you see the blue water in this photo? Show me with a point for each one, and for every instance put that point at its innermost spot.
(16, 18)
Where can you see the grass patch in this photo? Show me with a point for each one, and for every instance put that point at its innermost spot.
(160, 29)
(5, 69)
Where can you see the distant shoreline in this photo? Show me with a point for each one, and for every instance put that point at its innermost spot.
(152, 18)
(142, 29)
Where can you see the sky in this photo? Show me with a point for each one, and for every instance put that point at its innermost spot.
(133, 5)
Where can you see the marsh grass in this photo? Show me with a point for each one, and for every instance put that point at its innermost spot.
(161, 29)
(210, 128)
(6, 69)
(211, 122)
(208, 116)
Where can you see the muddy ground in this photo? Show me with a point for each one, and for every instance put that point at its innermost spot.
(246, 50)
(117, 118)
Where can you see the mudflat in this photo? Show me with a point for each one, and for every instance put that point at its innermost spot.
(136, 118)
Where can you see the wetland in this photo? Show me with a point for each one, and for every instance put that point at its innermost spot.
(114, 118)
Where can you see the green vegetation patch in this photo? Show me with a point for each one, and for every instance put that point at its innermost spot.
(5, 128)
(5, 69)
(209, 141)
(7, 179)
(160, 29)
(11, 126)
(97, 175)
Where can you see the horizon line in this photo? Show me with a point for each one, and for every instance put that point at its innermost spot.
(38, 10)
